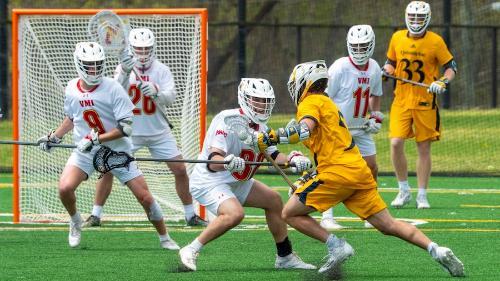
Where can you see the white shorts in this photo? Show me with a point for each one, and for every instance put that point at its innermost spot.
(162, 146)
(84, 161)
(212, 196)
(365, 144)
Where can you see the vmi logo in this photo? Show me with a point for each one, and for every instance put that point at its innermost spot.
(363, 80)
(221, 132)
(84, 103)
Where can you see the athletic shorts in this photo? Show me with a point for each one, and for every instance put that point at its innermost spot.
(324, 191)
(408, 123)
(84, 161)
(365, 144)
(212, 196)
(162, 146)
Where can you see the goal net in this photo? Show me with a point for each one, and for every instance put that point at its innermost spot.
(44, 42)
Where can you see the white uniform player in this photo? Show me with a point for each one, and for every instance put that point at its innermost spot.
(225, 188)
(99, 111)
(355, 85)
(155, 88)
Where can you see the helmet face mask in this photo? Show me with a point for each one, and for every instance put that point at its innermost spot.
(256, 99)
(142, 45)
(417, 17)
(303, 76)
(89, 60)
(360, 43)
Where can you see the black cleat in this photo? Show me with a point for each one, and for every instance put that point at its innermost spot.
(196, 221)
(92, 221)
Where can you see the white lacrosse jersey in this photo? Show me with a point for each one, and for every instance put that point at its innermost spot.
(219, 137)
(350, 88)
(148, 119)
(99, 108)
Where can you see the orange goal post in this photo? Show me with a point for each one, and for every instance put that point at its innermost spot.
(43, 42)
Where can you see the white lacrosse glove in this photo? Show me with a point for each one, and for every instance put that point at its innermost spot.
(127, 62)
(149, 89)
(439, 86)
(86, 144)
(236, 164)
(374, 124)
(45, 141)
(300, 162)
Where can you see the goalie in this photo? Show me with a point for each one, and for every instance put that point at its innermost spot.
(224, 189)
(150, 129)
(98, 111)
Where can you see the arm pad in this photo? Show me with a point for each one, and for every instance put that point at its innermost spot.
(293, 133)
(451, 64)
(125, 126)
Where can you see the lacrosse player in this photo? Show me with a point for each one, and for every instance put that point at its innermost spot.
(150, 129)
(355, 86)
(99, 112)
(416, 54)
(225, 188)
(342, 174)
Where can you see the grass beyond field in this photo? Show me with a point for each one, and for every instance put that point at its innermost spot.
(465, 216)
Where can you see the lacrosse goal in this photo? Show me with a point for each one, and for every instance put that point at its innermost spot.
(43, 46)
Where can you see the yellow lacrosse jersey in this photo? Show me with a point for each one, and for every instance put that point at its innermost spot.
(332, 145)
(417, 59)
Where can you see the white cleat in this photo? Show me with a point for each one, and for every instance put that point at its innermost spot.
(330, 224)
(368, 225)
(336, 257)
(75, 233)
(188, 258)
(292, 261)
(169, 244)
(449, 262)
(422, 202)
(403, 198)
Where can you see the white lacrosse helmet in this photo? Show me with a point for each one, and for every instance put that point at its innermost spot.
(417, 16)
(90, 62)
(303, 76)
(142, 45)
(256, 99)
(360, 43)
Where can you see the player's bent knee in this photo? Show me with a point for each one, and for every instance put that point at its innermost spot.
(233, 219)
(155, 213)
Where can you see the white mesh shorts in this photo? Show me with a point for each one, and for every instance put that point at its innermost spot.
(84, 161)
(365, 144)
(212, 197)
(161, 146)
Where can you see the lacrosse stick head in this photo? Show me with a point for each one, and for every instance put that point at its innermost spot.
(107, 28)
(106, 160)
(239, 125)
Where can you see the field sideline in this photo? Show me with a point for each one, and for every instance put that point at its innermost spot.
(465, 217)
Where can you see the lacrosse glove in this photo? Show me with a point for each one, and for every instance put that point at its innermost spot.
(45, 141)
(86, 144)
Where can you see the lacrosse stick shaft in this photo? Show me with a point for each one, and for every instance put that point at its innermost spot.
(200, 161)
(406, 80)
(280, 171)
(36, 144)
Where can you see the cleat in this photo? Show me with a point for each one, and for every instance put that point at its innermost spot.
(449, 262)
(330, 224)
(75, 233)
(422, 202)
(188, 258)
(403, 198)
(92, 221)
(169, 244)
(336, 257)
(292, 261)
(196, 221)
(368, 225)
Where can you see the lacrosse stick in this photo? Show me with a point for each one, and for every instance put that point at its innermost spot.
(239, 125)
(37, 144)
(107, 159)
(111, 32)
(405, 80)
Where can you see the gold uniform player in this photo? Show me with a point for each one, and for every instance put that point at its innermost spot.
(342, 174)
(416, 54)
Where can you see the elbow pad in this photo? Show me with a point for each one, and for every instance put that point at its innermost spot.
(125, 126)
(293, 133)
(451, 64)
(167, 98)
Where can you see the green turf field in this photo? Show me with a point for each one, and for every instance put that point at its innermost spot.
(465, 216)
